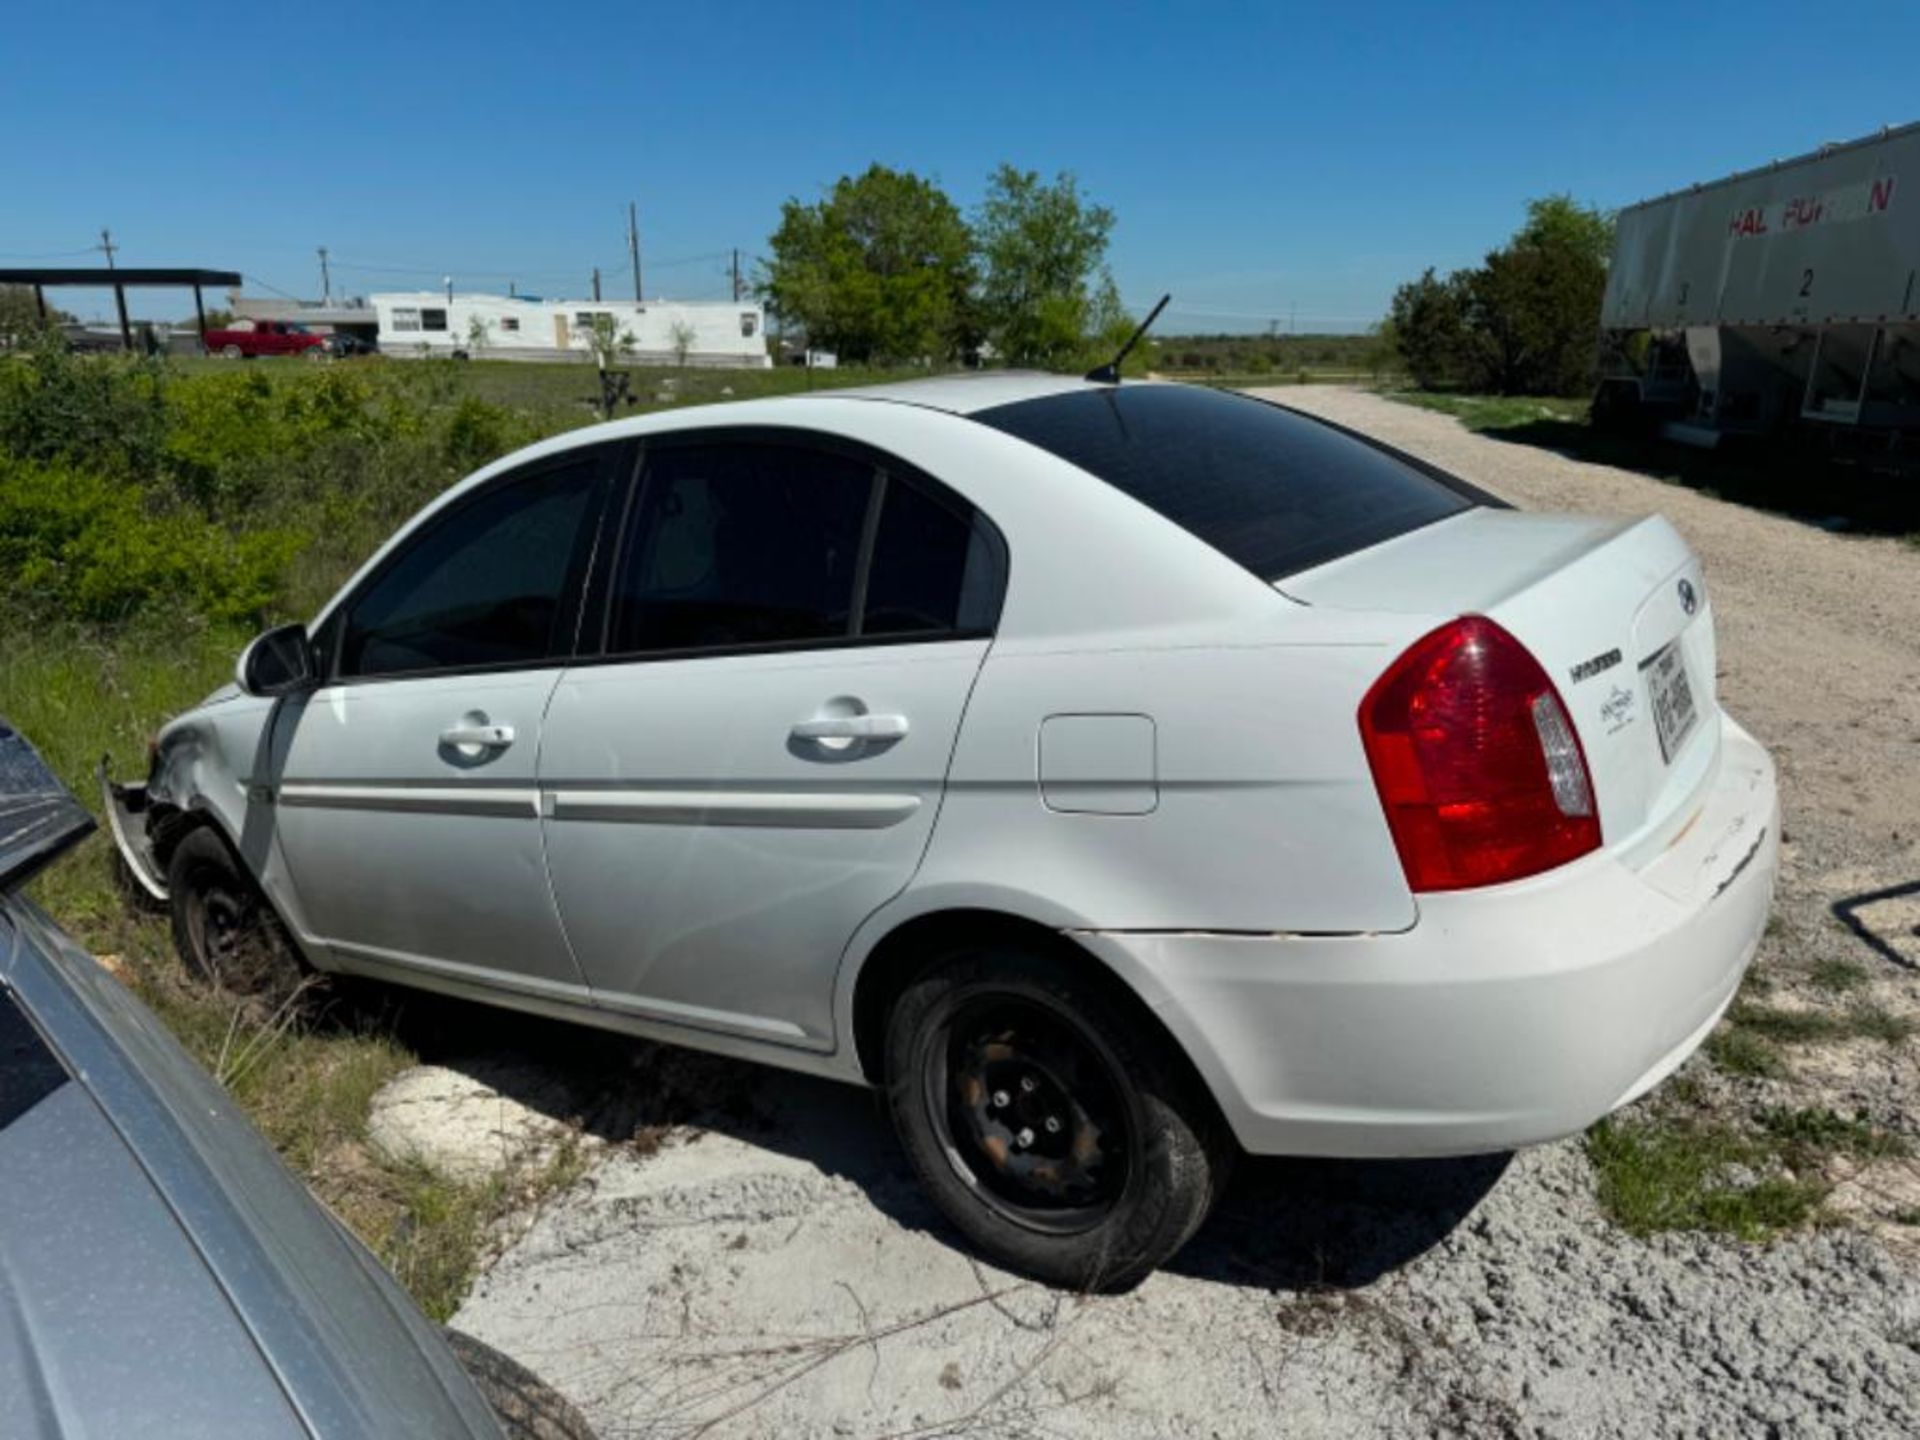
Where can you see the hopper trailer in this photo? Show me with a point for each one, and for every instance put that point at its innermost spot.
(1782, 298)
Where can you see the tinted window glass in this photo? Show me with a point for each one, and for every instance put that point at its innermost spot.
(485, 586)
(741, 544)
(1267, 487)
(931, 569)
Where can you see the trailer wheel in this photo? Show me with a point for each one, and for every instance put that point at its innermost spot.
(1616, 407)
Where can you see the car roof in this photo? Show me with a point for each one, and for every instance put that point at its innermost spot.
(966, 393)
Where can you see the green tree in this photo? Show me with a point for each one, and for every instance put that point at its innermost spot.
(1536, 303)
(1045, 295)
(1561, 223)
(878, 271)
(1525, 322)
(20, 314)
(1429, 323)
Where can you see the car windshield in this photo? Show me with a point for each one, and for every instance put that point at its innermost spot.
(1270, 488)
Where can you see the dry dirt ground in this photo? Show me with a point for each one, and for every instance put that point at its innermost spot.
(746, 1256)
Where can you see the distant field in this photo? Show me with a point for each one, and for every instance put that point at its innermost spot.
(556, 389)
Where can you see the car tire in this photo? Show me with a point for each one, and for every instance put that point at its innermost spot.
(528, 1408)
(231, 352)
(1050, 1122)
(224, 928)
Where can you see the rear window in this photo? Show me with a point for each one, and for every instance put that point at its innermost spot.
(1270, 489)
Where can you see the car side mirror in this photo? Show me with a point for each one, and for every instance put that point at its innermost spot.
(277, 662)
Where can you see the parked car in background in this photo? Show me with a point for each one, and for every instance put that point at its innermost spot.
(343, 346)
(1118, 776)
(161, 1272)
(251, 339)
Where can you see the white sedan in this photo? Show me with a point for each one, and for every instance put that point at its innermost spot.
(1119, 776)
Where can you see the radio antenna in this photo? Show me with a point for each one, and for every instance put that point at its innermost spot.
(1109, 373)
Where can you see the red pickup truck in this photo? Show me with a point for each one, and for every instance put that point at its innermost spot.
(247, 339)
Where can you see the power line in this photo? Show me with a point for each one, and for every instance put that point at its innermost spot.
(256, 280)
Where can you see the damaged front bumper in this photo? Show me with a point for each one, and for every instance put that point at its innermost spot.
(125, 807)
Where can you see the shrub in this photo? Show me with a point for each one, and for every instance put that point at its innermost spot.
(82, 545)
(106, 412)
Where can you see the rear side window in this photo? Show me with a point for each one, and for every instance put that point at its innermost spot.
(741, 545)
(489, 585)
(762, 544)
(932, 569)
(1270, 489)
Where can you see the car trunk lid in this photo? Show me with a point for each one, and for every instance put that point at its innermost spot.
(1614, 610)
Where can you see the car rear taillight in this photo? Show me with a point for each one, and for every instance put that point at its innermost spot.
(1477, 764)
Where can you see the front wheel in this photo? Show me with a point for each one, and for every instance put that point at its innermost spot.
(223, 927)
(1051, 1124)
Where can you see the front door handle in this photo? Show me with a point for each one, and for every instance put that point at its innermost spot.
(852, 727)
(478, 737)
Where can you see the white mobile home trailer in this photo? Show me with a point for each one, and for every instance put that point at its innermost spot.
(1778, 297)
(508, 327)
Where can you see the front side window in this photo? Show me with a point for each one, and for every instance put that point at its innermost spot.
(433, 319)
(741, 544)
(490, 584)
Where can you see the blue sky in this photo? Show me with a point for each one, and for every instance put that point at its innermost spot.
(1265, 162)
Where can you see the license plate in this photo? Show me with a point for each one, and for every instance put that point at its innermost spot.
(1671, 693)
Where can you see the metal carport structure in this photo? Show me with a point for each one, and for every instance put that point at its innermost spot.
(118, 279)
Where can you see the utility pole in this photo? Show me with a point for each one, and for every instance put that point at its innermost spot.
(736, 275)
(326, 279)
(596, 284)
(633, 247)
(119, 291)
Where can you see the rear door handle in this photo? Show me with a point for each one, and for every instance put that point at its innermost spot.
(852, 727)
(482, 737)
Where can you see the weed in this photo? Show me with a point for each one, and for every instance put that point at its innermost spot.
(1804, 1135)
(1661, 1174)
(1498, 412)
(1799, 1027)
(1837, 976)
(1741, 1052)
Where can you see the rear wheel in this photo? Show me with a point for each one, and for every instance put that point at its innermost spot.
(225, 931)
(1050, 1123)
(230, 352)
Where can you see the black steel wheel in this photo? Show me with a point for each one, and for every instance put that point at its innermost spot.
(226, 933)
(1050, 1120)
(1030, 1113)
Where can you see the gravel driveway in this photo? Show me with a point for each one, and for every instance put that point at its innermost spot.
(756, 1262)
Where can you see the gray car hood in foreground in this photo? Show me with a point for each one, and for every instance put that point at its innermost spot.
(110, 1322)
